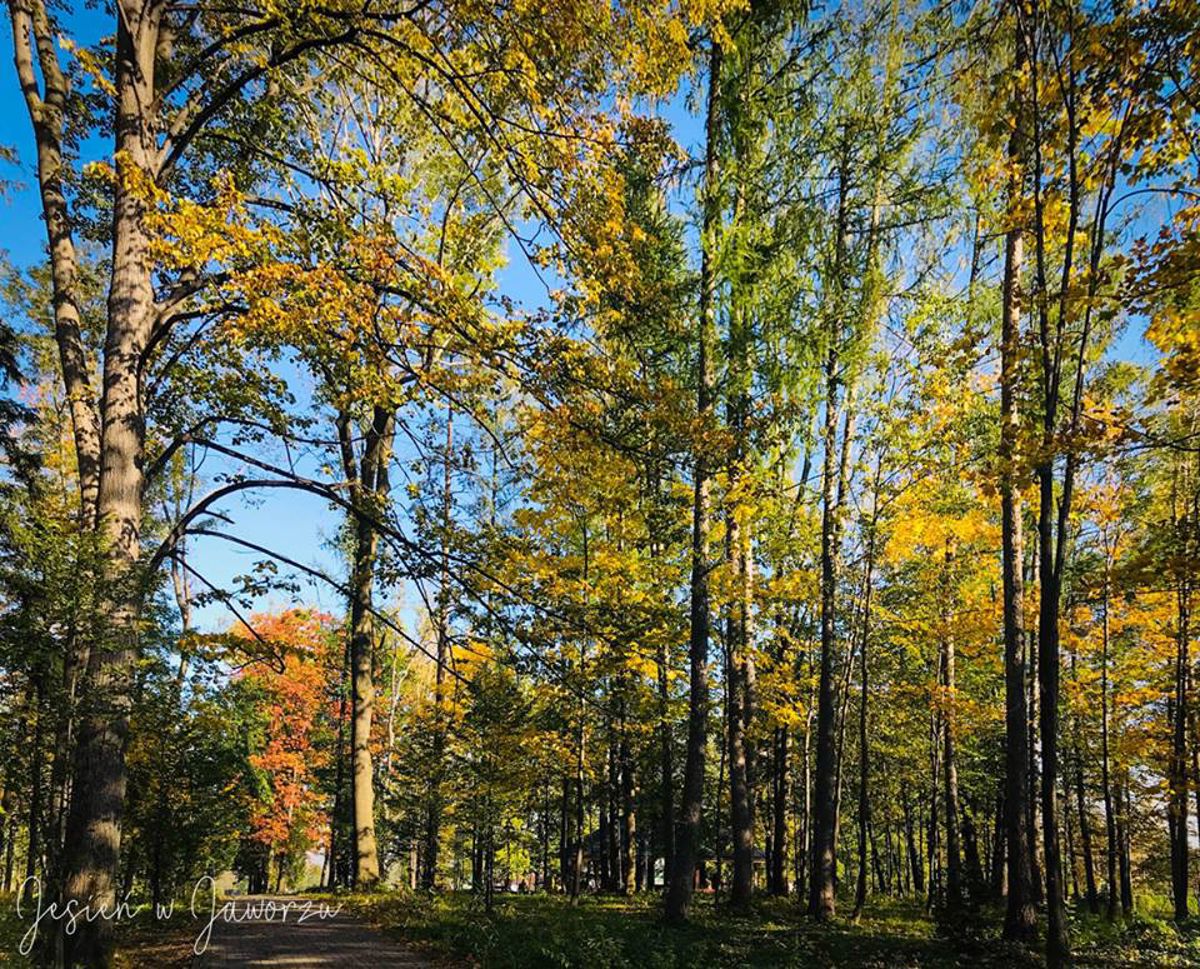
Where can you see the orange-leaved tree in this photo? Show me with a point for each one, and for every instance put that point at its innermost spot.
(292, 743)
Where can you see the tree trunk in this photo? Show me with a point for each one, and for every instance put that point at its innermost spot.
(1020, 920)
(914, 853)
(998, 859)
(719, 860)
(98, 801)
(34, 40)
(580, 745)
(8, 826)
(368, 477)
(971, 859)
(679, 895)
(864, 760)
(1194, 743)
(740, 553)
(741, 795)
(564, 835)
(362, 687)
(1033, 824)
(433, 816)
(35, 713)
(339, 783)
(1057, 946)
(1085, 832)
(822, 902)
(666, 769)
(949, 761)
(804, 850)
(628, 816)
(1070, 861)
(1178, 802)
(780, 799)
(1124, 856)
(935, 732)
(1110, 821)
(612, 845)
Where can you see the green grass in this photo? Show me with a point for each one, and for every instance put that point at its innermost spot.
(11, 931)
(615, 933)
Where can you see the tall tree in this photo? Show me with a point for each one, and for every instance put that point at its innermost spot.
(1020, 920)
(687, 841)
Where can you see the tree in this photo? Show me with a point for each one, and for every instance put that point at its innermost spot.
(290, 700)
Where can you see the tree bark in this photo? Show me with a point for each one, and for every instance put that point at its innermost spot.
(740, 553)
(935, 868)
(1020, 920)
(739, 715)
(614, 879)
(98, 802)
(998, 858)
(972, 863)
(822, 902)
(1048, 684)
(339, 782)
(679, 894)
(804, 849)
(954, 895)
(433, 815)
(666, 767)
(34, 43)
(914, 852)
(666, 758)
(1123, 798)
(34, 48)
(1085, 828)
(1178, 801)
(629, 831)
(864, 758)
(564, 835)
(35, 714)
(1110, 820)
(581, 743)
(780, 799)
(369, 486)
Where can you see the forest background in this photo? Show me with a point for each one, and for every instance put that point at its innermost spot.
(680, 453)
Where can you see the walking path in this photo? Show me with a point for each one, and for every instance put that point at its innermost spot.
(257, 932)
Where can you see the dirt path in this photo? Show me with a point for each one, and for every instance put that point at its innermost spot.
(261, 932)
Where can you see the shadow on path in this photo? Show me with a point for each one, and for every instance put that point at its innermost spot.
(257, 932)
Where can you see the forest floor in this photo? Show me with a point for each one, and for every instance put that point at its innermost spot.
(608, 932)
(244, 934)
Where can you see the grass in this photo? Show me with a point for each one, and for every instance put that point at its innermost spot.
(11, 930)
(141, 943)
(615, 933)
(607, 932)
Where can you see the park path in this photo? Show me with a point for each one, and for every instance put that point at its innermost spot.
(267, 937)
